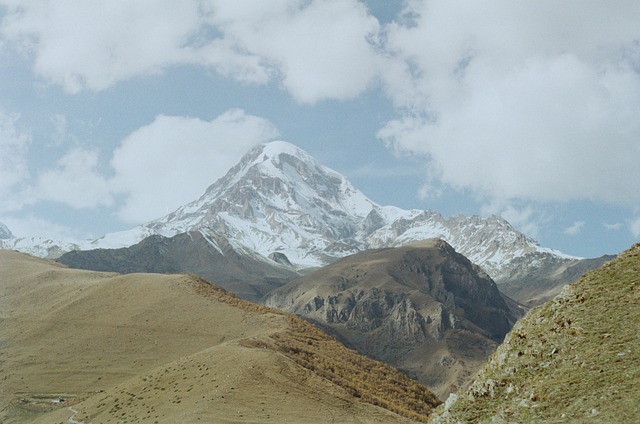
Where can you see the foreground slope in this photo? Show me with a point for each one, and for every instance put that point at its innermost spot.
(574, 359)
(423, 308)
(80, 346)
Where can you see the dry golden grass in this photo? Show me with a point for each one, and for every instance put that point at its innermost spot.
(147, 348)
(573, 359)
(372, 381)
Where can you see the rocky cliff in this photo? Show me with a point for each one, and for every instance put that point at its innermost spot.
(424, 308)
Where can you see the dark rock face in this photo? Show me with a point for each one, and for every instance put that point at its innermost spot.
(427, 310)
(250, 278)
(280, 258)
(534, 285)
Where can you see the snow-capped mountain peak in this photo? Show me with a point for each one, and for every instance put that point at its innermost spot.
(37, 246)
(284, 170)
(279, 199)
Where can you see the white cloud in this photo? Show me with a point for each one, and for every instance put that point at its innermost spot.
(524, 217)
(318, 49)
(520, 100)
(75, 181)
(574, 229)
(156, 169)
(321, 48)
(60, 129)
(171, 161)
(14, 171)
(86, 44)
(29, 225)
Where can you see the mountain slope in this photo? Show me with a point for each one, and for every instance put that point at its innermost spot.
(532, 281)
(38, 246)
(573, 359)
(249, 276)
(100, 347)
(423, 308)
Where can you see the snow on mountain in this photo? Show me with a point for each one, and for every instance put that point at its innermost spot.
(4, 232)
(38, 246)
(490, 242)
(278, 198)
(122, 238)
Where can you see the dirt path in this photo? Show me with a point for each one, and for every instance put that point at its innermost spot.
(72, 419)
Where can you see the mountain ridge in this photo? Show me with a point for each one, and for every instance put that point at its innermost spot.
(279, 199)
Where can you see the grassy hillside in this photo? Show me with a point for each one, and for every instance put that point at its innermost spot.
(573, 359)
(144, 348)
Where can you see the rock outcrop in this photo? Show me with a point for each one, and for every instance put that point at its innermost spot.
(423, 308)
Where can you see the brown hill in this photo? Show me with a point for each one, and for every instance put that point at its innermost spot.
(80, 346)
(423, 308)
(573, 359)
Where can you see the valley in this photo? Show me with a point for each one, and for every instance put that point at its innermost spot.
(82, 346)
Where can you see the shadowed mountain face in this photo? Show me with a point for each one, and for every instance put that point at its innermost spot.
(82, 346)
(574, 359)
(424, 308)
(534, 285)
(248, 276)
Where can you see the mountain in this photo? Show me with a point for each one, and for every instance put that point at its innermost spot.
(280, 200)
(423, 308)
(534, 282)
(79, 346)
(247, 275)
(37, 246)
(574, 359)
(5, 233)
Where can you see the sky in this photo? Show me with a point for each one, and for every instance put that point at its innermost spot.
(115, 113)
